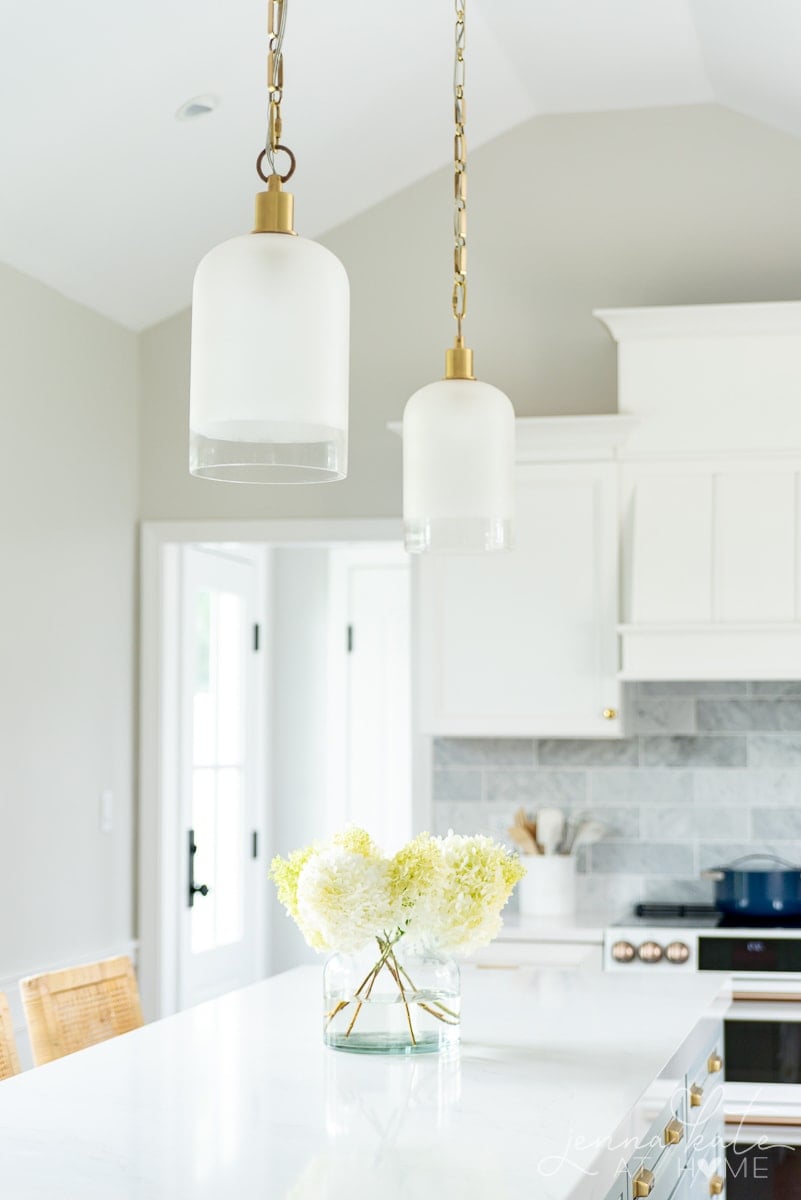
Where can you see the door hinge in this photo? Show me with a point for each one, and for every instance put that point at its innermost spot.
(350, 639)
(256, 636)
(254, 846)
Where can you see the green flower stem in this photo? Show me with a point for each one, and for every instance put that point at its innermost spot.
(367, 982)
(372, 977)
(395, 973)
(340, 1004)
(388, 960)
(353, 1019)
(434, 1000)
(427, 1008)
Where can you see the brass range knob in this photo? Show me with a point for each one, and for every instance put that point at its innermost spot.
(623, 952)
(643, 1182)
(716, 1186)
(610, 714)
(714, 1064)
(674, 1132)
(649, 952)
(677, 952)
(696, 1096)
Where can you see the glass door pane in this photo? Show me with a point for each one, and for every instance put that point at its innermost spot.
(217, 800)
(219, 930)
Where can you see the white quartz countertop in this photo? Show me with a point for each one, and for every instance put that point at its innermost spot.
(239, 1098)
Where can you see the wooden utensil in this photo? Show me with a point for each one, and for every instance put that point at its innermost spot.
(522, 838)
(522, 821)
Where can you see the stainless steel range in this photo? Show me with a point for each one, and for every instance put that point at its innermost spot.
(763, 1023)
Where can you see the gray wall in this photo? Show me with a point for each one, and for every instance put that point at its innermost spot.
(711, 771)
(567, 213)
(68, 506)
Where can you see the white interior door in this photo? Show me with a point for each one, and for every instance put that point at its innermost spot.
(379, 739)
(221, 932)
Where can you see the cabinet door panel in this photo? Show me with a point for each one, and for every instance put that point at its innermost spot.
(683, 1188)
(525, 642)
(671, 548)
(755, 546)
(620, 1190)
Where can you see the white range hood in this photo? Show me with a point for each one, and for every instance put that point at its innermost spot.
(711, 491)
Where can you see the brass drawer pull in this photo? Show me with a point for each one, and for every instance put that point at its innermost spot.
(714, 1064)
(674, 1132)
(643, 1182)
(696, 1096)
(716, 1186)
(610, 714)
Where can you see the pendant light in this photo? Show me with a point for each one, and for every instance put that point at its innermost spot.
(458, 434)
(270, 333)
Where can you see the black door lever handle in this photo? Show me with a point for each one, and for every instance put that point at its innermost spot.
(194, 889)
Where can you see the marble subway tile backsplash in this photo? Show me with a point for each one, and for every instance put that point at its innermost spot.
(709, 772)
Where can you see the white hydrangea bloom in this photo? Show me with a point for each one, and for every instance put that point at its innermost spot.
(441, 892)
(345, 899)
(479, 875)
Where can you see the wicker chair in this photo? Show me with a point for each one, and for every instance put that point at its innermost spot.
(80, 1006)
(9, 1061)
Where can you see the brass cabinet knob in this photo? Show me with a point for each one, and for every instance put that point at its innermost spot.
(696, 1096)
(716, 1186)
(677, 952)
(623, 952)
(643, 1182)
(610, 714)
(714, 1064)
(674, 1132)
(649, 952)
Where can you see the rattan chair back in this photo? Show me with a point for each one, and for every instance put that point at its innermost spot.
(9, 1059)
(71, 1009)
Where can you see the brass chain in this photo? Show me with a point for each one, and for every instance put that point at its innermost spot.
(276, 26)
(459, 299)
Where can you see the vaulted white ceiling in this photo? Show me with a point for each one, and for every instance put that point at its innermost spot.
(107, 198)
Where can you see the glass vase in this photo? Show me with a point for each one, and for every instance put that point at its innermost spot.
(391, 998)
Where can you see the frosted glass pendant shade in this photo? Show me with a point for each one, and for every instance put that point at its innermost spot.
(269, 375)
(458, 468)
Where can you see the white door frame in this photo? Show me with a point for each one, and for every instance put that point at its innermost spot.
(158, 849)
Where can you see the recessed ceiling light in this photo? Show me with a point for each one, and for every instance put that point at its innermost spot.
(198, 106)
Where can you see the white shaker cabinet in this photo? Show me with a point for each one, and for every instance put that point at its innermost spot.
(524, 643)
(712, 575)
(711, 491)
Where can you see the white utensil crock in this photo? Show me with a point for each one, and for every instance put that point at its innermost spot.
(549, 886)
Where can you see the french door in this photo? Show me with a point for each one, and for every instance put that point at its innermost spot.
(221, 923)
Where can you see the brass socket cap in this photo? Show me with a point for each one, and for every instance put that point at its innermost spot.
(275, 209)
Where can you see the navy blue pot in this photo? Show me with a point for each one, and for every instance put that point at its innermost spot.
(771, 889)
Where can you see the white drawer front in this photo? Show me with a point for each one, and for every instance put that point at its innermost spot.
(562, 955)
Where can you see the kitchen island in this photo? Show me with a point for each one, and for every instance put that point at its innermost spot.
(559, 1074)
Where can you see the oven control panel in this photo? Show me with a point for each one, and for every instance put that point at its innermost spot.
(767, 953)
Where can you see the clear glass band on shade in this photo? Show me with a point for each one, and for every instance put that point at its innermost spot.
(269, 376)
(458, 468)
